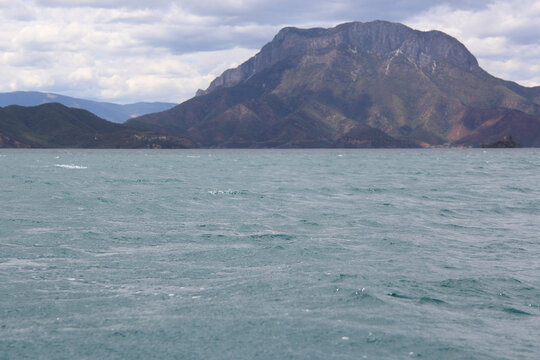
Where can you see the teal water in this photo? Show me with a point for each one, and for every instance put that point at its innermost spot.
(270, 254)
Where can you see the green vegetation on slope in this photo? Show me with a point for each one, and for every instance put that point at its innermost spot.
(317, 87)
(57, 126)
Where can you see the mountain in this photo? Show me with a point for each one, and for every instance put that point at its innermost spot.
(57, 126)
(376, 84)
(113, 112)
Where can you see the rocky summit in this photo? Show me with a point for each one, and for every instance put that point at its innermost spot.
(376, 84)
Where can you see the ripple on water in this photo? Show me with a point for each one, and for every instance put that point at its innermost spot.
(271, 237)
(514, 311)
(363, 297)
(389, 254)
(430, 300)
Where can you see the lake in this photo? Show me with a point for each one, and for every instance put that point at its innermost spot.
(270, 254)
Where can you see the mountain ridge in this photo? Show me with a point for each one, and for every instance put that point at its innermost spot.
(117, 113)
(319, 87)
(345, 33)
(54, 125)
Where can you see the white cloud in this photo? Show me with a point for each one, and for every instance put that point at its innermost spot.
(103, 53)
(504, 36)
(81, 75)
(164, 50)
(101, 3)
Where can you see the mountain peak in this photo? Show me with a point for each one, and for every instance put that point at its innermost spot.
(382, 38)
(376, 84)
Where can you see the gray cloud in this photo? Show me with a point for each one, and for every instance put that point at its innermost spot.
(106, 4)
(504, 36)
(131, 50)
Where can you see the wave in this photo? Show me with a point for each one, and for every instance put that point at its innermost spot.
(70, 166)
(514, 311)
(223, 192)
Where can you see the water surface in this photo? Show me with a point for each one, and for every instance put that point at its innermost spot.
(270, 254)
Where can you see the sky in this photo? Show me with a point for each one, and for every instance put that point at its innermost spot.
(164, 50)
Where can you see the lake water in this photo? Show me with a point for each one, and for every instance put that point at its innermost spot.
(270, 254)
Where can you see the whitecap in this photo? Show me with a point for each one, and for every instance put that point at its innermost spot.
(223, 192)
(70, 166)
(19, 263)
(41, 230)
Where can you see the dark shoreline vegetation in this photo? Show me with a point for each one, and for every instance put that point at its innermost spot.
(358, 85)
(57, 126)
(506, 142)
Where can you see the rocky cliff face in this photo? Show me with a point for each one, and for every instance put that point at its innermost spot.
(375, 84)
(386, 40)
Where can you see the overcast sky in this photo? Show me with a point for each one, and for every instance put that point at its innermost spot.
(164, 50)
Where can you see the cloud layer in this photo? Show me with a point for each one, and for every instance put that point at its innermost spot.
(504, 36)
(128, 50)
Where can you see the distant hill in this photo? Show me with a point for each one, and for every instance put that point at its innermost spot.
(57, 126)
(376, 84)
(113, 112)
